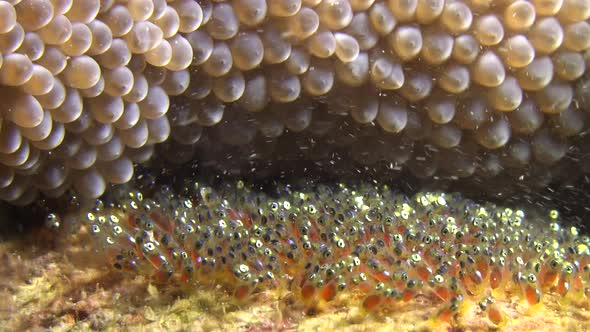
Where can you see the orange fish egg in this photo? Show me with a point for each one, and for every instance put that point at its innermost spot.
(444, 293)
(424, 272)
(408, 294)
(308, 292)
(371, 302)
(532, 295)
(495, 278)
(495, 314)
(446, 315)
(549, 278)
(328, 293)
(242, 292)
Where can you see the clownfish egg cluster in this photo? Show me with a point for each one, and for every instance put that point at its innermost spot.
(366, 242)
(84, 76)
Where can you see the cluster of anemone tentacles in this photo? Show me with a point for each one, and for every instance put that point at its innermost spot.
(321, 244)
(86, 84)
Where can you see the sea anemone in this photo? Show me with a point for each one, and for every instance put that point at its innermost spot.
(435, 87)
